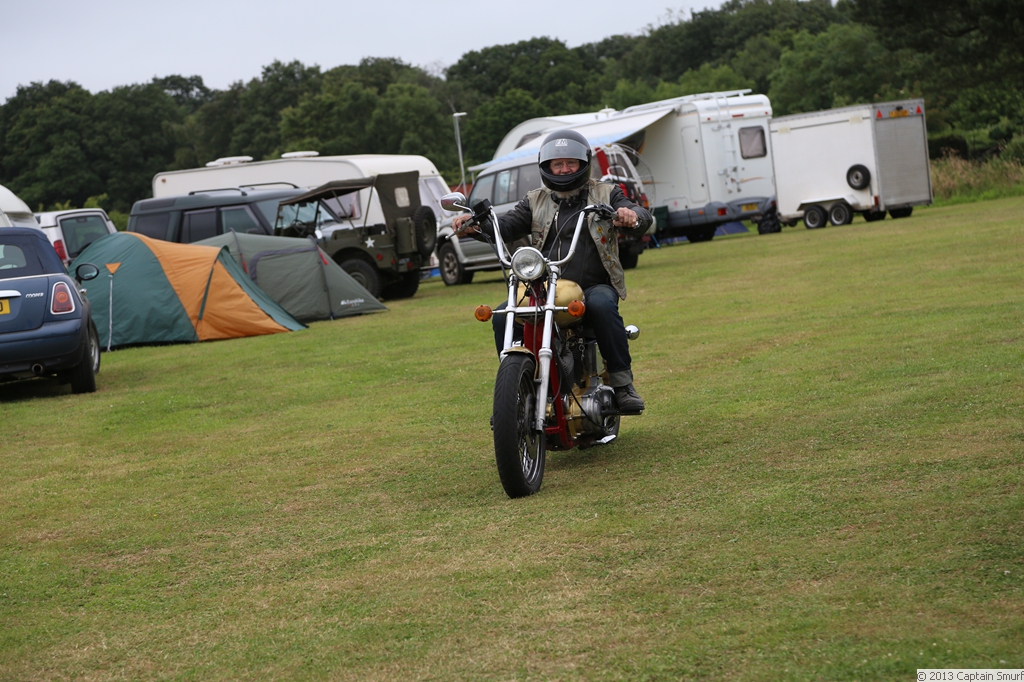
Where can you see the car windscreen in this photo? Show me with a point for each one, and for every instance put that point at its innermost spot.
(481, 189)
(306, 214)
(80, 231)
(18, 257)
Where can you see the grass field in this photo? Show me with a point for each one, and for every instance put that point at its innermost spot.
(826, 485)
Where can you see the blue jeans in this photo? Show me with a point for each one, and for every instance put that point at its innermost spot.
(603, 319)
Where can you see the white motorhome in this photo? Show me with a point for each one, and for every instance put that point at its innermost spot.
(309, 170)
(867, 159)
(708, 155)
(14, 212)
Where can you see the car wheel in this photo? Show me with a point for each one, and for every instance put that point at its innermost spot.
(452, 272)
(858, 177)
(840, 214)
(364, 274)
(425, 229)
(815, 217)
(83, 375)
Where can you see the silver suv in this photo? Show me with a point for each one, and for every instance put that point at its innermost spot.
(506, 183)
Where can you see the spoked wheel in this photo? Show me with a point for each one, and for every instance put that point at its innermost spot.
(518, 448)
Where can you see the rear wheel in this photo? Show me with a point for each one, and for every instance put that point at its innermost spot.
(901, 212)
(840, 214)
(364, 274)
(815, 217)
(519, 449)
(83, 376)
(872, 216)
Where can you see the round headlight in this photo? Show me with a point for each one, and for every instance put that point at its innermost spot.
(528, 264)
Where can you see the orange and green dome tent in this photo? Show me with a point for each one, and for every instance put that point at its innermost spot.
(160, 292)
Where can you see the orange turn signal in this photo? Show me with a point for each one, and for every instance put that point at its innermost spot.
(577, 308)
(483, 313)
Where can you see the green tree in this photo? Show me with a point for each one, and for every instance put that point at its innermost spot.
(46, 134)
(132, 140)
(408, 120)
(257, 130)
(334, 121)
(844, 65)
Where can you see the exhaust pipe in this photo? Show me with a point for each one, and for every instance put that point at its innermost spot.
(37, 369)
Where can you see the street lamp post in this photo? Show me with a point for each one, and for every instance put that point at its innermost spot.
(458, 143)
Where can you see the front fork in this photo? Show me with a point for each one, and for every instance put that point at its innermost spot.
(544, 353)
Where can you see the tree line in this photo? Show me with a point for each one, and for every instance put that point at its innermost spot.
(61, 145)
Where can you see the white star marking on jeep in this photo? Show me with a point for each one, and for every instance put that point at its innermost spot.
(369, 242)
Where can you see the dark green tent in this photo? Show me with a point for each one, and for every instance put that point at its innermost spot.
(298, 275)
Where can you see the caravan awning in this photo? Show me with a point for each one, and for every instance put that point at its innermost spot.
(616, 127)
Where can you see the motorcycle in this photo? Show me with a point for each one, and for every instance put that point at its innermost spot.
(549, 392)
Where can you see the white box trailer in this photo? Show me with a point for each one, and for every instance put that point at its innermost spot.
(708, 155)
(308, 170)
(868, 159)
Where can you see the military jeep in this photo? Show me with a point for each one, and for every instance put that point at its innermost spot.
(384, 257)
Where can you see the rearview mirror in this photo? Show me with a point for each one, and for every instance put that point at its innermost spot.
(456, 201)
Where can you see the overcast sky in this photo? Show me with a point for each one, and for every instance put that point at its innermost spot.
(106, 43)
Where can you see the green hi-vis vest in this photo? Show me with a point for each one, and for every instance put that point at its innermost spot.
(602, 232)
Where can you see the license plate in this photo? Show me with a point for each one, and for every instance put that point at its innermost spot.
(898, 113)
(5, 306)
(749, 207)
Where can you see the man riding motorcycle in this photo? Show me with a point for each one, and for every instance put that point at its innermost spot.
(548, 215)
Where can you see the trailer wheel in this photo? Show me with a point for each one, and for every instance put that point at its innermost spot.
(858, 177)
(901, 212)
(840, 214)
(815, 217)
(872, 216)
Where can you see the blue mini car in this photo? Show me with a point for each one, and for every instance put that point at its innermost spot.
(46, 329)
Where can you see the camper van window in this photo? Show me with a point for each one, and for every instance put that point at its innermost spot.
(752, 144)
(482, 189)
(153, 225)
(196, 225)
(505, 186)
(239, 219)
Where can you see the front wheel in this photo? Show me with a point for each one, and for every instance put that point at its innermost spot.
(518, 448)
(815, 217)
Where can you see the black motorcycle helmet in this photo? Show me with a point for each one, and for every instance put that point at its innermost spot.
(565, 144)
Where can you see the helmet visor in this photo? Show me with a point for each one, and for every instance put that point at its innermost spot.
(563, 148)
